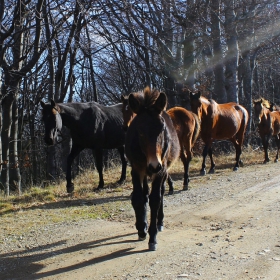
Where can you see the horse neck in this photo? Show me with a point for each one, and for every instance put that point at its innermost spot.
(205, 105)
(266, 113)
(68, 114)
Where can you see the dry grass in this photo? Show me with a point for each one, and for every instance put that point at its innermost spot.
(85, 203)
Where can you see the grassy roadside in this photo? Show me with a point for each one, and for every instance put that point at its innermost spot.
(38, 207)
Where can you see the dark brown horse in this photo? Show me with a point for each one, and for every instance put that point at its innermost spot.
(151, 147)
(91, 125)
(268, 125)
(187, 126)
(221, 122)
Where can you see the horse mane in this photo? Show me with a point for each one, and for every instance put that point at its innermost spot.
(206, 100)
(264, 102)
(147, 97)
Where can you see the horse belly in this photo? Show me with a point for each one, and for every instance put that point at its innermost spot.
(225, 130)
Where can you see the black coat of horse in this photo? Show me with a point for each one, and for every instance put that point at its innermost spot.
(91, 125)
(151, 147)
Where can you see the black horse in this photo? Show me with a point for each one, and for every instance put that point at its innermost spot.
(151, 146)
(91, 125)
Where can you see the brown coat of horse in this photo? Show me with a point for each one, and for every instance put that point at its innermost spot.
(151, 147)
(187, 126)
(268, 125)
(221, 122)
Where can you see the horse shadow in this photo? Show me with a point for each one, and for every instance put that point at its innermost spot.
(24, 264)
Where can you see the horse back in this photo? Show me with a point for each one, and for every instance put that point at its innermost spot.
(224, 121)
(275, 122)
(93, 125)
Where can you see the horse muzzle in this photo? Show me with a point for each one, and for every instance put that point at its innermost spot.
(125, 127)
(154, 169)
(49, 141)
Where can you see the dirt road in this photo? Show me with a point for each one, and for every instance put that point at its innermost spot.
(227, 226)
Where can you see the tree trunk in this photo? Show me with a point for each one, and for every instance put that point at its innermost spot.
(219, 93)
(15, 176)
(232, 53)
(7, 104)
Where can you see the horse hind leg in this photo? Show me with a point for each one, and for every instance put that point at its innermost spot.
(170, 184)
(186, 162)
(237, 147)
(278, 147)
(213, 165)
(99, 167)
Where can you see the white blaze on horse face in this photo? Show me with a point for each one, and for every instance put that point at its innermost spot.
(258, 113)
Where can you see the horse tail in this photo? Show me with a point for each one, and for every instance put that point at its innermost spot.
(196, 128)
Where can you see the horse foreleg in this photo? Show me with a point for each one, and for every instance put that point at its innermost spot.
(124, 165)
(156, 207)
(204, 154)
(99, 167)
(74, 152)
(160, 211)
(265, 147)
(139, 200)
(212, 168)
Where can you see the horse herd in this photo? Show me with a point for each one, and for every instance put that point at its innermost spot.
(151, 138)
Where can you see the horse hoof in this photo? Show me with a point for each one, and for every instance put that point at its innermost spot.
(202, 172)
(171, 192)
(276, 160)
(141, 238)
(70, 188)
(142, 235)
(185, 187)
(160, 228)
(98, 189)
(241, 164)
(121, 182)
(152, 246)
(235, 168)
(211, 171)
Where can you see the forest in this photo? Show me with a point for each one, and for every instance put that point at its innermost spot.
(83, 51)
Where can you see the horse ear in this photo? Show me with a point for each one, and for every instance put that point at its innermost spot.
(52, 103)
(133, 103)
(122, 98)
(161, 102)
(43, 104)
(198, 94)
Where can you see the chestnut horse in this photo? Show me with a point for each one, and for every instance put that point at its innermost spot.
(92, 126)
(221, 122)
(187, 127)
(268, 125)
(151, 147)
